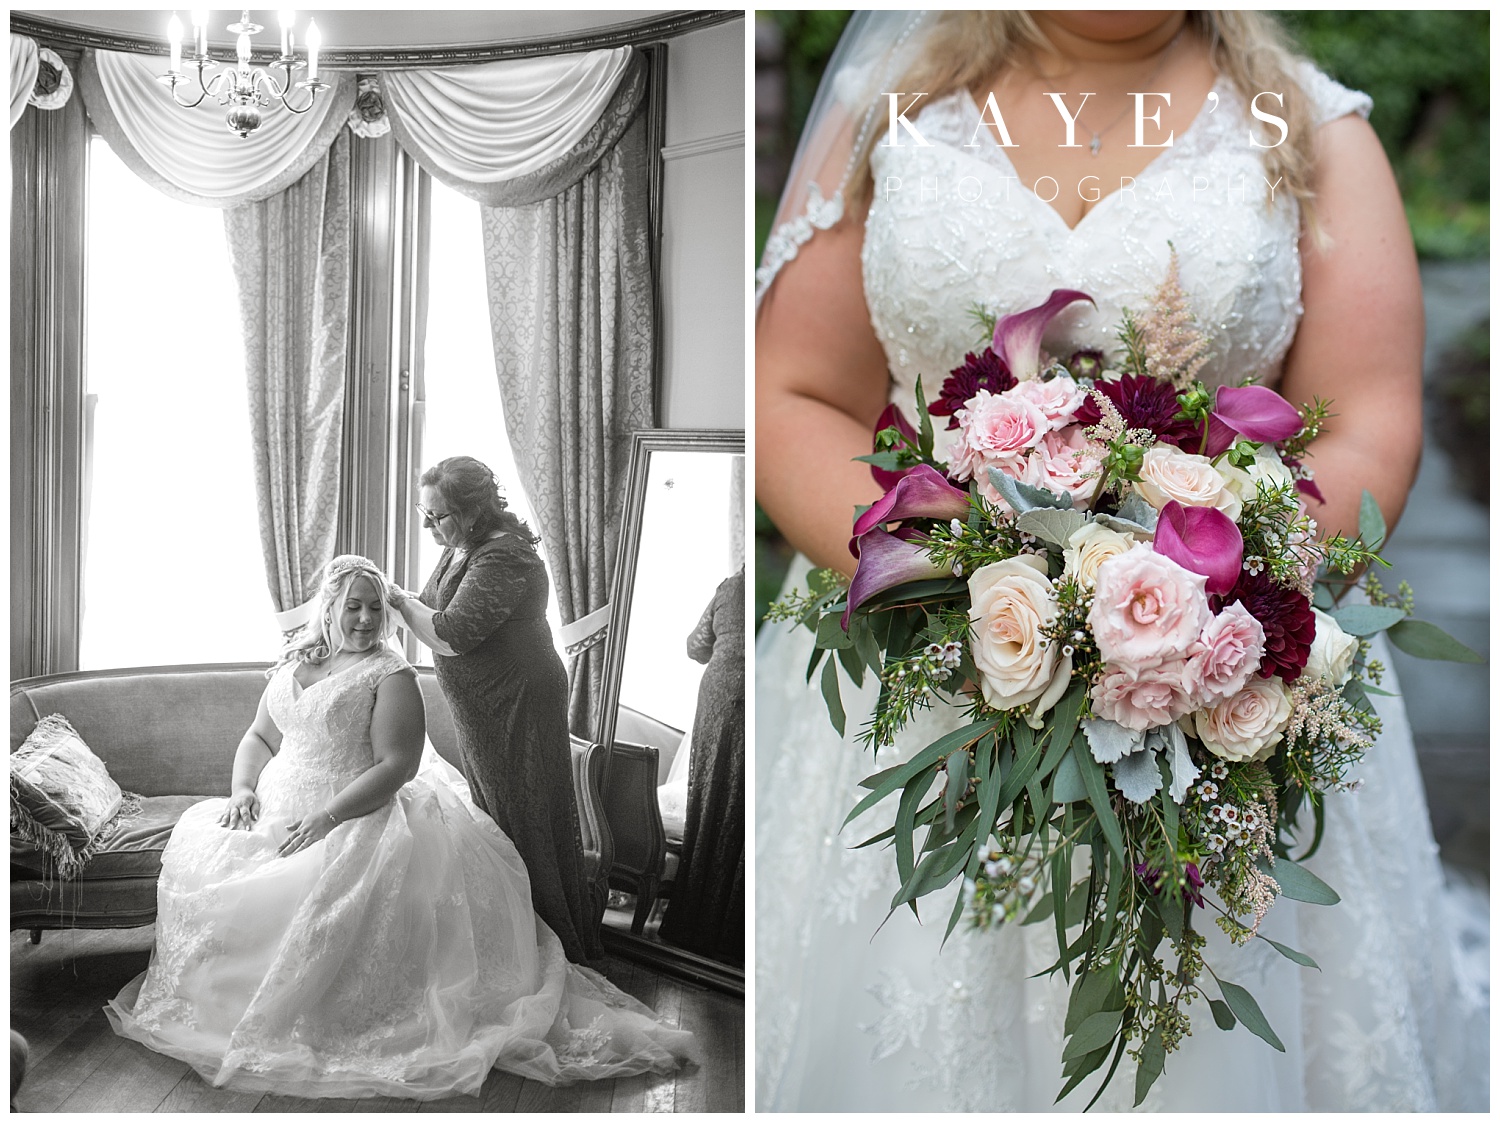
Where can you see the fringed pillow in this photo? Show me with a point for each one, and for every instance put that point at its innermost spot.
(63, 802)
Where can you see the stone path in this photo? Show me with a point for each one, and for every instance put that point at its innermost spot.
(1442, 548)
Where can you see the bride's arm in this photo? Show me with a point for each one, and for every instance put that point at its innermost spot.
(820, 384)
(1360, 341)
(398, 728)
(256, 748)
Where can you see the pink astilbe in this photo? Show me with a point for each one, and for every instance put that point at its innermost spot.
(1175, 349)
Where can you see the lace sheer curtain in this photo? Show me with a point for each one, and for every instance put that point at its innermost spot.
(567, 260)
(291, 257)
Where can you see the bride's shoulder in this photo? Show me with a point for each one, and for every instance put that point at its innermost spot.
(1328, 99)
(387, 661)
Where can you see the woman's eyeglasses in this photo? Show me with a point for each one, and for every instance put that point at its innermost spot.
(432, 518)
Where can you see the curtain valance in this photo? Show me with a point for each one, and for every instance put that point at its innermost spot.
(24, 61)
(511, 133)
(189, 153)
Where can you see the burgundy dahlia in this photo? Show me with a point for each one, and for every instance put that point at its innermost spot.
(985, 371)
(1287, 617)
(1144, 403)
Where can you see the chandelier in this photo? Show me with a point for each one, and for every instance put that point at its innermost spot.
(244, 88)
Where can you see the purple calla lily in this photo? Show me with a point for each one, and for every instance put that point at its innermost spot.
(892, 417)
(886, 561)
(1203, 540)
(1256, 413)
(1018, 337)
(922, 493)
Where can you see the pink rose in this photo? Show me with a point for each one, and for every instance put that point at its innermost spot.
(1145, 700)
(1058, 398)
(1062, 464)
(1147, 609)
(1248, 725)
(1232, 643)
(1168, 474)
(994, 429)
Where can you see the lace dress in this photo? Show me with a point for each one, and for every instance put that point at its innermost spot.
(398, 956)
(854, 1011)
(508, 693)
(706, 912)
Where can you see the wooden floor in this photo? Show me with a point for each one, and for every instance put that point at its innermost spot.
(58, 989)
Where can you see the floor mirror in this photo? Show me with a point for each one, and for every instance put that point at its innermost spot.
(680, 567)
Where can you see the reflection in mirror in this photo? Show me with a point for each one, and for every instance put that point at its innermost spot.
(673, 707)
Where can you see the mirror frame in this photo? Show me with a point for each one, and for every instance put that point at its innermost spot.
(642, 444)
(676, 961)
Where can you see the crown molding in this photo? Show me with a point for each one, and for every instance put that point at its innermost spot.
(635, 33)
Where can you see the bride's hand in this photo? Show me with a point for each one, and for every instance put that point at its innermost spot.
(241, 811)
(304, 832)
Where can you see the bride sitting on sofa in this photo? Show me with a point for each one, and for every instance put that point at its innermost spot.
(346, 922)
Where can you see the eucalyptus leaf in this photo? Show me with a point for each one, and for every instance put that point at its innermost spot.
(958, 783)
(1095, 1032)
(1248, 1012)
(1094, 784)
(831, 634)
(867, 645)
(1371, 522)
(1040, 911)
(1366, 619)
(831, 695)
(1427, 641)
(1067, 781)
(893, 778)
(1050, 524)
(1323, 598)
(1223, 1016)
(1292, 953)
(1298, 883)
(1153, 1059)
(853, 667)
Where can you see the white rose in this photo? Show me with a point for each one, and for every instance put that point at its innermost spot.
(1012, 601)
(1333, 650)
(1247, 725)
(1168, 473)
(1088, 547)
(1266, 466)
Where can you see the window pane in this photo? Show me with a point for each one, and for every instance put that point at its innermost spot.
(462, 414)
(172, 560)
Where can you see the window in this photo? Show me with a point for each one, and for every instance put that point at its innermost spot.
(461, 413)
(172, 566)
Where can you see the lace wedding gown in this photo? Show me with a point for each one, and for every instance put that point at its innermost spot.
(857, 1012)
(398, 956)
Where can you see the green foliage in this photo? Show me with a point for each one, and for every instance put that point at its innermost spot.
(1428, 73)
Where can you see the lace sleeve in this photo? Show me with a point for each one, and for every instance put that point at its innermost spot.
(1329, 99)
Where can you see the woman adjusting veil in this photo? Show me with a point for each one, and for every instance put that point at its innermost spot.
(952, 163)
(347, 923)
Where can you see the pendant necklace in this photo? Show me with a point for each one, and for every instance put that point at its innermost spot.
(1097, 142)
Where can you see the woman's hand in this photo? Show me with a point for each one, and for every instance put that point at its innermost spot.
(396, 596)
(241, 811)
(305, 831)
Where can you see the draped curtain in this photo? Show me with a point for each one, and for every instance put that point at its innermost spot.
(567, 264)
(24, 62)
(291, 260)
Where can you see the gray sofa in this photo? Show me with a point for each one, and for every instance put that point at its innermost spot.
(169, 734)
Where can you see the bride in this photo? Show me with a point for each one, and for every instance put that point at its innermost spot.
(347, 923)
(999, 184)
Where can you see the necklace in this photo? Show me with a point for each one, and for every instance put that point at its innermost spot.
(1097, 142)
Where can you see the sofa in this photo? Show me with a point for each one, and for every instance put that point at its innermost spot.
(169, 735)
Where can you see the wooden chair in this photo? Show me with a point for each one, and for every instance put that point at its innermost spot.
(642, 864)
(589, 765)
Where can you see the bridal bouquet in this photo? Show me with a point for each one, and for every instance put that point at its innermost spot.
(1115, 581)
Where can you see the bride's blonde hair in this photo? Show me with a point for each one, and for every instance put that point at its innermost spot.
(965, 48)
(321, 637)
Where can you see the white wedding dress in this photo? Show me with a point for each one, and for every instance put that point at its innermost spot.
(857, 1012)
(398, 956)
